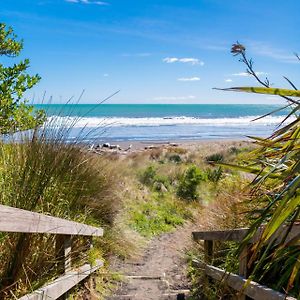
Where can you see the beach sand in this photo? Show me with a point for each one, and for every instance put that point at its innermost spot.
(208, 146)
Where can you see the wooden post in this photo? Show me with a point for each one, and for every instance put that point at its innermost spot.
(63, 256)
(63, 253)
(243, 267)
(208, 251)
(91, 280)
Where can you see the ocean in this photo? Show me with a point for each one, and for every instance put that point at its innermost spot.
(164, 122)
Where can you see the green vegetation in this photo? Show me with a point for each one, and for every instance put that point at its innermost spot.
(215, 157)
(276, 162)
(165, 194)
(187, 188)
(272, 201)
(65, 182)
(160, 213)
(16, 114)
(214, 175)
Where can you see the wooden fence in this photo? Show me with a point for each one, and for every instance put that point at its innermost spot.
(253, 290)
(22, 221)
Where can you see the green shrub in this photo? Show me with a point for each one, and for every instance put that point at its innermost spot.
(216, 157)
(234, 150)
(187, 188)
(176, 158)
(156, 181)
(214, 175)
(147, 176)
(161, 183)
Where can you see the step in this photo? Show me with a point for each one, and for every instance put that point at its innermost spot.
(172, 295)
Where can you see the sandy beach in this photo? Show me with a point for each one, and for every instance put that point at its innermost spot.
(206, 146)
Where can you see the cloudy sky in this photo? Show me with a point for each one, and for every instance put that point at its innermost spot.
(158, 51)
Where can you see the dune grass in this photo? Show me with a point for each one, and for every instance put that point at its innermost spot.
(44, 174)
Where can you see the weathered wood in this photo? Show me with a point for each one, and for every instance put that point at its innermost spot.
(63, 284)
(208, 251)
(243, 262)
(221, 235)
(243, 267)
(239, 234)
(145, 277)
(252, 289)
(19, 220)
(63, 253)
(68, 253)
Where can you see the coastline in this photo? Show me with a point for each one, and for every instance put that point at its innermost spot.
(207, 144)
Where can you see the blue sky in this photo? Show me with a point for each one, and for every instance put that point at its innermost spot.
(158, 51)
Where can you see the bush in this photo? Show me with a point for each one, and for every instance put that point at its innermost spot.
(187, 188)
(147, 176)
(176, 158)
(216, 157)
(214, 175)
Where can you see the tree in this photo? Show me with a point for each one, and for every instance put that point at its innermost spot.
(15, 113)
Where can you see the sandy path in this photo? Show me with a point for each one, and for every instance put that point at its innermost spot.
(162, 265)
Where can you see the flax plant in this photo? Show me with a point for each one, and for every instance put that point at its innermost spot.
(276, 164)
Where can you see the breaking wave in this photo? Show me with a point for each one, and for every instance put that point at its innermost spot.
(90, 122)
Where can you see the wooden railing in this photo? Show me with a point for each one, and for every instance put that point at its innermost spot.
(22, 221)
(253, 289)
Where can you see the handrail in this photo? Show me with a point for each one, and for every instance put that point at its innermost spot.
(22, 221)
(239, 234)
(61, 285)
(19, 220)
(254, 290)
(239, 283)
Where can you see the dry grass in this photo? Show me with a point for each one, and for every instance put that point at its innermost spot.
(56, 179)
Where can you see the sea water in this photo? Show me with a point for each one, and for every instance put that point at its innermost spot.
(164, 122)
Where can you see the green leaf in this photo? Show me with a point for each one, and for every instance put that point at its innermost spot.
(268, 91)
(286, 207)
(252, 170)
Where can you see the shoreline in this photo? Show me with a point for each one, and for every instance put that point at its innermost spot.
(133, 145)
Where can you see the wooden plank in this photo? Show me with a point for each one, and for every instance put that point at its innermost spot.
(221, 235)
(239, 234)
(253, 289)
(20, 220)
(63, 284)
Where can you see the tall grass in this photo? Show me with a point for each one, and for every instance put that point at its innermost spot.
(43, 173)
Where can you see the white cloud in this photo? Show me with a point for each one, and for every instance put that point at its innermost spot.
(228, 80)
(190, 97)
(187, 60)
(189, 79)
(245, 74)
(105, 75)
(87, 2)
(170, 60)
